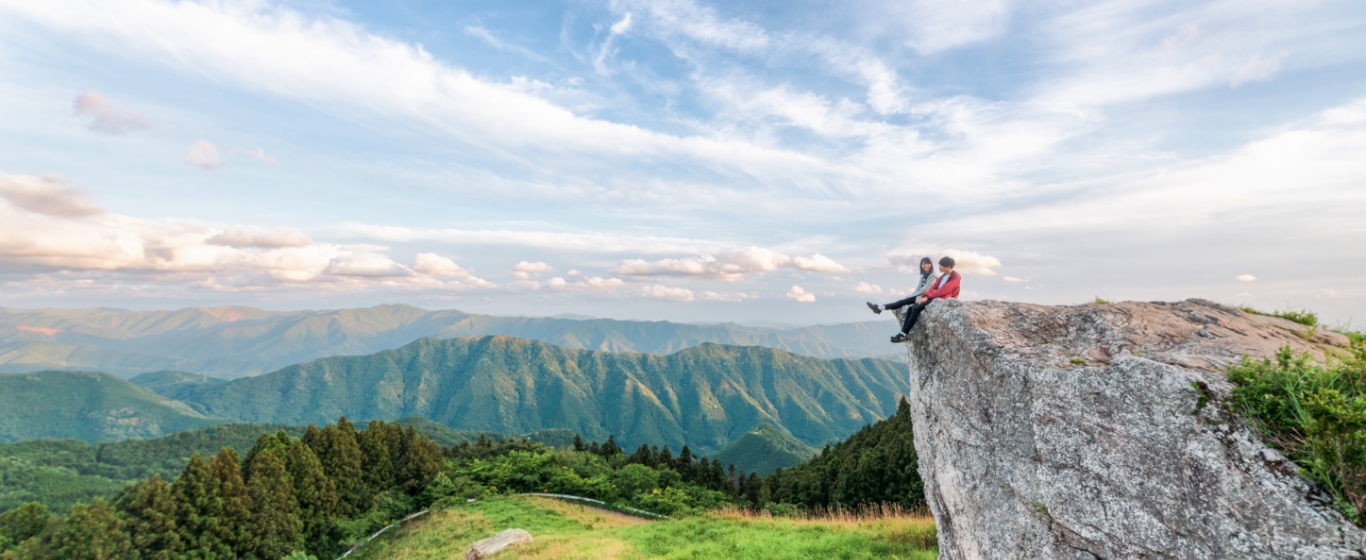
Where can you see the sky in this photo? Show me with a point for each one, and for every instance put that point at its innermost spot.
(681, 160)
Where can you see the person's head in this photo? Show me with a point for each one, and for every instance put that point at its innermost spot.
(926, 266)
(946, 265)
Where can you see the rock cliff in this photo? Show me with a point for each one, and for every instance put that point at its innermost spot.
(1095, 431)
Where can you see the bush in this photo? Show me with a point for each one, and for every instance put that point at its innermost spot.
(1316, 415)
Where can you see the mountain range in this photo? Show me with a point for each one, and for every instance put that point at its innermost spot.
(235, 341)
(704, 396)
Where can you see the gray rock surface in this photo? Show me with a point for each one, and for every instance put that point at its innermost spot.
(1079, 432)
(497, 543)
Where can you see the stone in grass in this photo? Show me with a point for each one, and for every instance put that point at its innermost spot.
(495, 544)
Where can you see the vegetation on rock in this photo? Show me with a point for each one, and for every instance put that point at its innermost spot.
(1315, 414)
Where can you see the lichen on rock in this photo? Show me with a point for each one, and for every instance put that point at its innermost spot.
(1091, 431)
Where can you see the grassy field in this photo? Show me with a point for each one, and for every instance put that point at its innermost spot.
(564, 530)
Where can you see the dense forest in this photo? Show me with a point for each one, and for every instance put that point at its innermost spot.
(317, 491)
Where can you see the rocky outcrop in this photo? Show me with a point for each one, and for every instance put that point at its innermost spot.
(1094, 431)
(493, 545)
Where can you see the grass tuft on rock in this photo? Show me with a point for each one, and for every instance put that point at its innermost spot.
(1315, 414)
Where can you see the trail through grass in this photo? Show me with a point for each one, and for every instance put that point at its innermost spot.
(564, 530)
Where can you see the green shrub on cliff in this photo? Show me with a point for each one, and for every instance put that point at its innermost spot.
(1315, 414)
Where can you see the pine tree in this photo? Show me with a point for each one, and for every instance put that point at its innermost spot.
(376, 464)
(92, 532)
(610, 448)
(199, 512)
(275, 524)
(594, 448)
(149, 512)
(578, 443)
(234, 521)
(340, 456)
(312, 438)
(666, 457)
(317, 499)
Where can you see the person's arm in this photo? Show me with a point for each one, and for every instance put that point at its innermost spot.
(949, 289)
(924, 287)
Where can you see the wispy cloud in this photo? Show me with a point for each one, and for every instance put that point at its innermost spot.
(106, 118)
(491, 40)
(204, 155)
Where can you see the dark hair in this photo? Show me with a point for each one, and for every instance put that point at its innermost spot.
(946, 261)
(925, 261)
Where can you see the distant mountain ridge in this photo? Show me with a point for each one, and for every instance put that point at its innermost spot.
(235, 341)
(704, 396)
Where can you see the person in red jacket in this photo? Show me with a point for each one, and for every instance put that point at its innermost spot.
(946, 287)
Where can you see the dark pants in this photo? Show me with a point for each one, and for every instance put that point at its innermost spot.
(911, 314)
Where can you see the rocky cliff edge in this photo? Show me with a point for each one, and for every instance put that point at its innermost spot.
(1095, 431)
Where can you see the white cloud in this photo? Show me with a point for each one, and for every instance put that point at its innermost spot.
(49, 226)
(339, 65)
(799, 295)
(46, 195)
(685, 18)
(558, 284)
(866, 288)
(107, 118)
(526, 269)
(493, 41)
(727, 297)
(937, 25)
(1015, 280)
(259, 154)
(1256, 70)
(247, 236)
(1246, 278)
(204, 155)
(364, 264)
(965, 262)
(559, 241)
(728, 265)
(668, 293)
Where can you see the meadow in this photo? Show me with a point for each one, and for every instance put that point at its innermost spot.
(565, 530)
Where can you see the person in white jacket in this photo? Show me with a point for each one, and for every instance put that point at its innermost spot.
(926, 280)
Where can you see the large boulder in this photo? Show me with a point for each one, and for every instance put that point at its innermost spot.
(1096, 431)
(497, 543)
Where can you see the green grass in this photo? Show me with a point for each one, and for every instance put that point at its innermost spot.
(1315, 414)
(1306, 318)
(564, 530)
(1100, 301)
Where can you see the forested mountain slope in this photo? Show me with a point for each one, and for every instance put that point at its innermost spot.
(88, 406)
(705, 396)
(233, 341)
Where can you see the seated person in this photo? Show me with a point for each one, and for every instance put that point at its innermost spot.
(926, 278)
(945, 287)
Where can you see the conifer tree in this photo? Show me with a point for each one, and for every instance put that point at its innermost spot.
(594, 448)
(377, 466)
(92, 532)
(340, 456)
(578, 443)
(610, 448)
(149, 512)
(275, 443)
(316, 496)
(312, 438)
(421, 460)
(666, 457)
(199, 512)
(234, 521)
(684, 464)
(275, 525)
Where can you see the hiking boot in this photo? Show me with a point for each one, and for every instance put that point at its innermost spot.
(874, 307)
(900, 337)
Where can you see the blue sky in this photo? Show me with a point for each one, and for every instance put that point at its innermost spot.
(680, 160)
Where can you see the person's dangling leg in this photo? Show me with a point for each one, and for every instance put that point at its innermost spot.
(912, 314)
(891, 306)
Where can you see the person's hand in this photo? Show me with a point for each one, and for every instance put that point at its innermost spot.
(922, 299)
